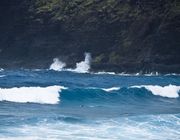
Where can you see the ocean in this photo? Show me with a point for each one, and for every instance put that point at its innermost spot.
(60, 105)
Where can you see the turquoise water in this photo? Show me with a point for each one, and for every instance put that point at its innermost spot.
(43, 104)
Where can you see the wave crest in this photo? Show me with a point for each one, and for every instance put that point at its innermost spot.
(111, 89)
(169, 91)
(43, 95)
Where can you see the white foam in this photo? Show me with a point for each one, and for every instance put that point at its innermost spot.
(170, 91)
(172, 74)
(43, 95)
(103, 72)
(111, 89)
(37, 70)
(126, 74)
(1, 69)
(1, 76)
(152, 74)
(83, 66)
(57, 65)
(138, 127)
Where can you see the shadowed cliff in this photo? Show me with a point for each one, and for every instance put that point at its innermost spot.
(121, 35)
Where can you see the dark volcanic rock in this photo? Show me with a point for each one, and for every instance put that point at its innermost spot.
(121, 35)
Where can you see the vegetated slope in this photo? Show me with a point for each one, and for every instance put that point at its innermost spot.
(121, 35)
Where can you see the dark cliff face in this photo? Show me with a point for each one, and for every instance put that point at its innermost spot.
(121, 35)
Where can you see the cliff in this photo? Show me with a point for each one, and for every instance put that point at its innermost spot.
(121, 35)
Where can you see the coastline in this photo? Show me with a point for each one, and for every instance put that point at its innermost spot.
(134, 69)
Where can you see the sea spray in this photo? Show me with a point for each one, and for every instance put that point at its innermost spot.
(57, 65)
(84, 66)
(81, 67)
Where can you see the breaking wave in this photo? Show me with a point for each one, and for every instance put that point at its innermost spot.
(1, 76)
(57, 65)
(127, 74)
(145, 127)
(169, 91)
(84, 66)
(120, 94)
(42, 95)
(103, 72)
(81, 67)
(50, 94)
(111, 89)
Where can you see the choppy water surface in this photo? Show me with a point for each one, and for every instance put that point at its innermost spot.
(43, 104)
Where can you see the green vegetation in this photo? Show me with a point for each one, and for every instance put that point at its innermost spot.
(123, 33)
(104, 9)
(136, 21)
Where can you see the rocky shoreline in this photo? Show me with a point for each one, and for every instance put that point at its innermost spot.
(122, 35)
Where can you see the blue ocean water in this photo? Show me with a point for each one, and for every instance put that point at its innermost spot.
(44, 104)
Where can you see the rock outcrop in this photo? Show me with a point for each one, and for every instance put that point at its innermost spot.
(121, 35)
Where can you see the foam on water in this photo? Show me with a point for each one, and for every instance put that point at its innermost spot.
(57, 65)
(1, 76)
(112, 109)
(42, 95)
(170, 91)
(103, 72)
(127, 74)
(150, 127)
(111, 89)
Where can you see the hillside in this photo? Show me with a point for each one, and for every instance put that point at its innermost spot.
(121, 35)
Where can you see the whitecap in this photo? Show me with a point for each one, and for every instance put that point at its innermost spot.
(151, 127)
(1, 69)
(170, 91)
(1, 76)
(111, 89)
(103, 72)
(42, 95)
